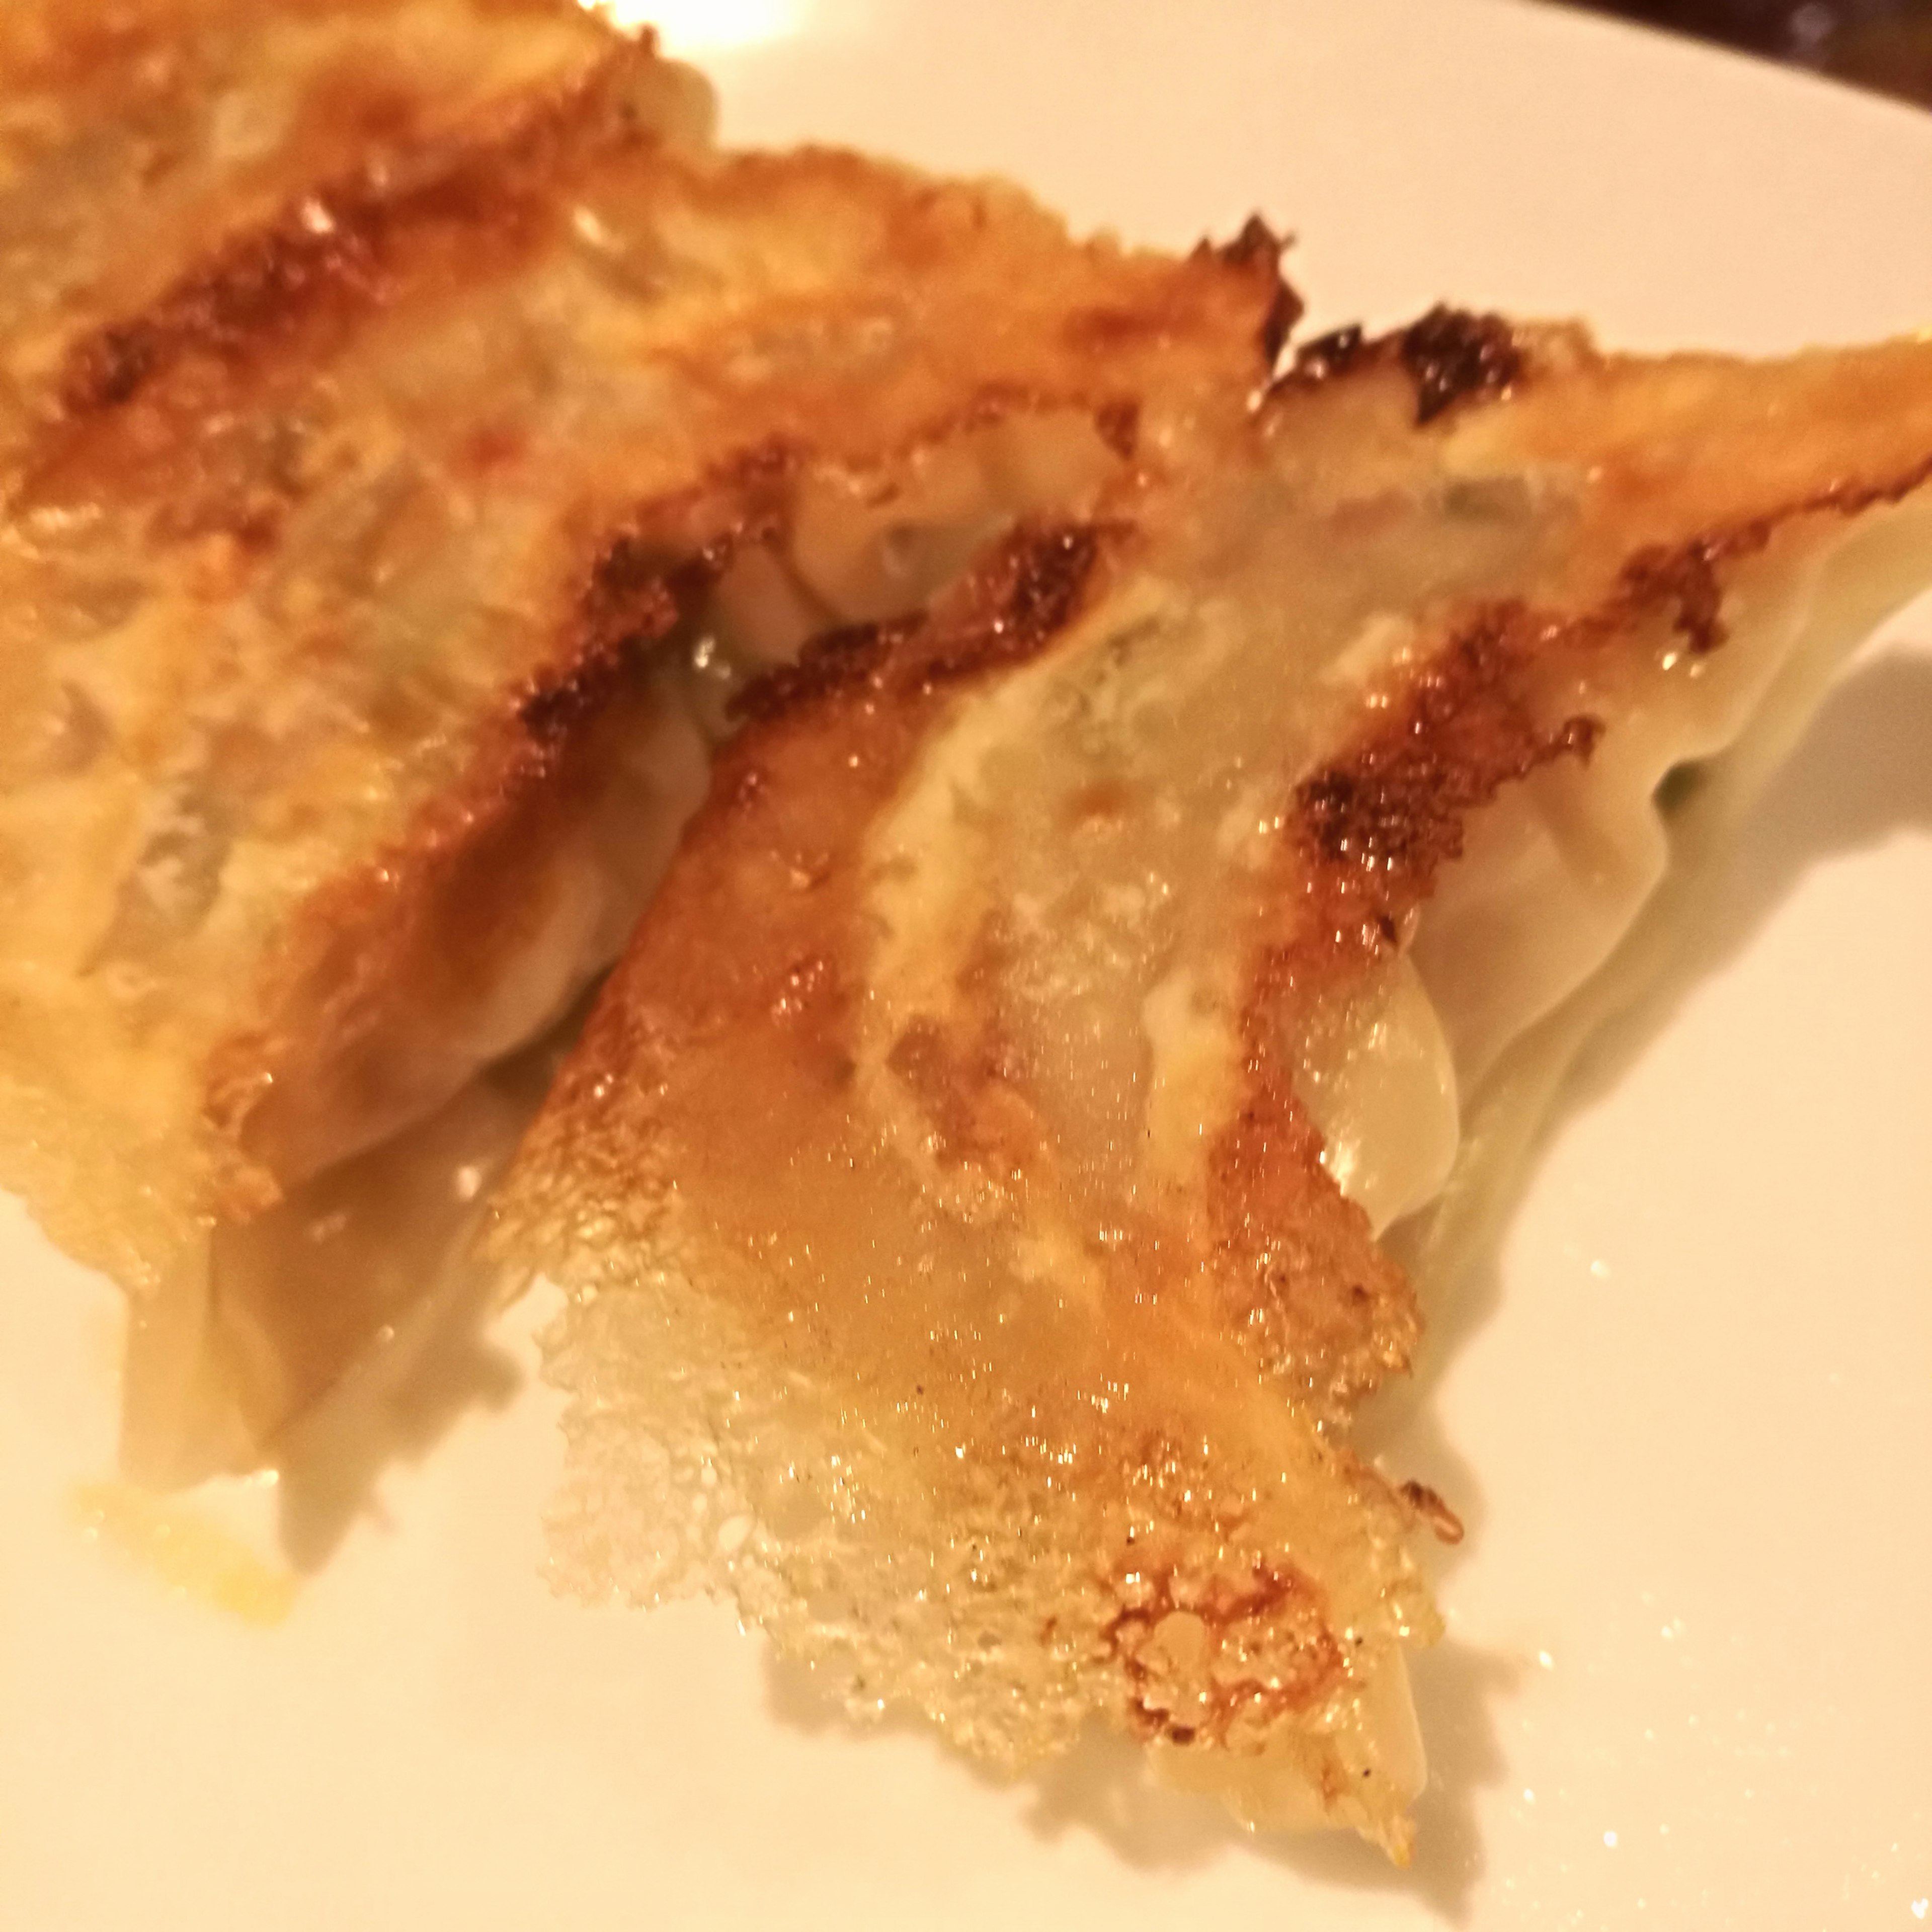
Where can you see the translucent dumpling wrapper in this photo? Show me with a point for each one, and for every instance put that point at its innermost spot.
(980, 1189)
(385, 519)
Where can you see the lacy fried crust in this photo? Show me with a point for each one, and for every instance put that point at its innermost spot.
(731, 1044)
(1184, 1618)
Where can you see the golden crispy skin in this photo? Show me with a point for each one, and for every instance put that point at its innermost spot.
(971, 1181)
(380, 544)
(148, 642)
(134, 139)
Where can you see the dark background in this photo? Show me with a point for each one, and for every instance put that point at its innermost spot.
(1886, 44)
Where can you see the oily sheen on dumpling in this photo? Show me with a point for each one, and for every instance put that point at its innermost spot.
(385, 519)
(970, 1187)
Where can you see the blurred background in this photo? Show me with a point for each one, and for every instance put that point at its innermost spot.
(1886, 44)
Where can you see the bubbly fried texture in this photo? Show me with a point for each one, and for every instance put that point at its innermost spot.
(381, 538)
(209, 117)
(970, 1183)
(124, 656)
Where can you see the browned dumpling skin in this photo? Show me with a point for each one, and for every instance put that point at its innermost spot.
(972, 1186)
(136, 139)
(382, 535)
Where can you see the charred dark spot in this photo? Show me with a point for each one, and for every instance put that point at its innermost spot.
(330, 252)
(1688, 577)
(1258, 246)
(1334, 354)
(1462, 734)
(1018, 597)
(829, 665)
(558, 702)
(652, 577)
(256, 290)
(1045, 573)
(638, 587)
(1449, 354)
(1284, 312)
(627, 565)
(687, 539)
(637, 595)
(1027, 592)
(1453, 354)
(1256, 242)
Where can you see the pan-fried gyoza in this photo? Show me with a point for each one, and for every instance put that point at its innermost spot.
(972, 1183)
(1180, 819)
(136, 140)
(383, 534)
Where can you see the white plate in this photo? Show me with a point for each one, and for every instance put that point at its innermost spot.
(1687, 1680)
